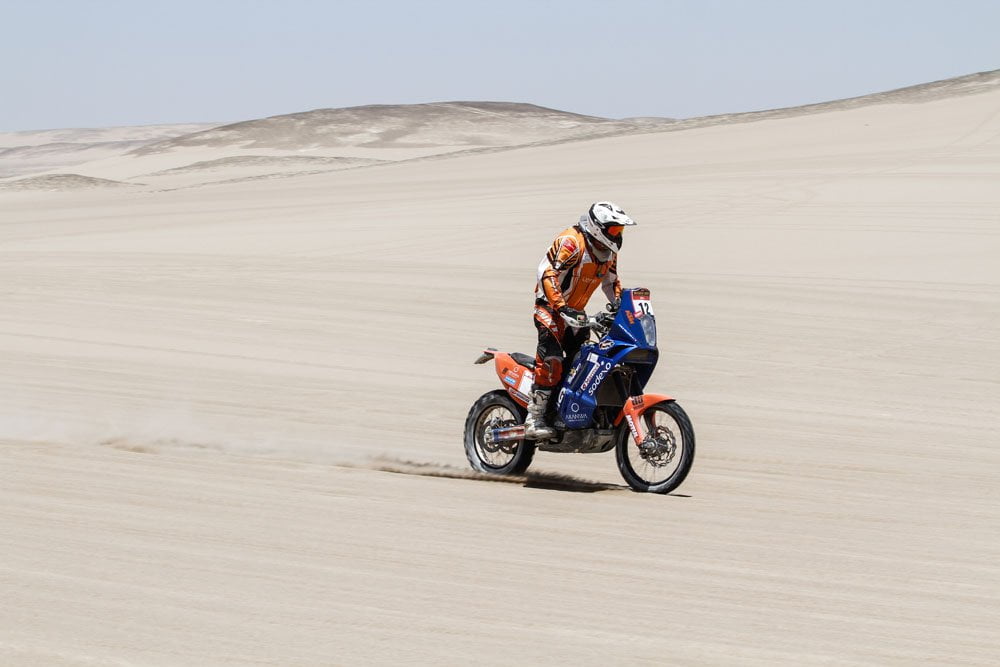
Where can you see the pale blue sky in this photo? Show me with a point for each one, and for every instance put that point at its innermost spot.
(131, 62)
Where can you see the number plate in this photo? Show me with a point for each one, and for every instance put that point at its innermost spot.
(642, 306)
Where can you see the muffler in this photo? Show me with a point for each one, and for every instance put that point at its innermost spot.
(508, 434)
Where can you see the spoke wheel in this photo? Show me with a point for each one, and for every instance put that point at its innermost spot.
(493, 411)
(663, 459)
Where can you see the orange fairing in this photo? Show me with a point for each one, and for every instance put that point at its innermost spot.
(633, 410)
(516, 378)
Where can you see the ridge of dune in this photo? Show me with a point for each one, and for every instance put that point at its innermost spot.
(969, 84)
(372, 135)
(39, 151)
(96, 135)
(457, 124)
(350, 137)
(51, 182)
(236, 168)
(266, 160)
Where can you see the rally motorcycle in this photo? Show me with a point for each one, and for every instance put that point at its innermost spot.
(600, 406)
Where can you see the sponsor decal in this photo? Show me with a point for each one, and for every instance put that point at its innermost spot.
(575, 407)
(590, 376)
(524, 387)
(631, 427)
(637, 401)
(606, 344)
(509, 380)
(600, 379)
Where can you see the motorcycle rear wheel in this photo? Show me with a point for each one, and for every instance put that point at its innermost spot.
(496, 409)
(661, 465)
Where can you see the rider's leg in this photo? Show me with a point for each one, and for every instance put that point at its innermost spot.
(572, 341)
(548, 372)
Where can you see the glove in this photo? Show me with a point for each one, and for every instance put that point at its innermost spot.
(575, 318)
(613, 307)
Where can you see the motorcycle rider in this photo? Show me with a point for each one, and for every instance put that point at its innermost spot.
(581, 258)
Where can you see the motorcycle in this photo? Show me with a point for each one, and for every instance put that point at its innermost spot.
(600, 406)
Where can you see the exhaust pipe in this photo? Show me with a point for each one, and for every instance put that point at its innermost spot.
(508, 434)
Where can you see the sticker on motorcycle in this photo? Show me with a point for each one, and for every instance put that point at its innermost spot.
(525, 386)
(642, 307)
(632, 427)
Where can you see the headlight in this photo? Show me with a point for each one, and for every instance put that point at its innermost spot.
(649, 329)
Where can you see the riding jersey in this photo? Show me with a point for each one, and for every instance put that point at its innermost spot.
(570, 272)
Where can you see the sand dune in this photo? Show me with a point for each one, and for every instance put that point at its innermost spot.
(295, 162)
(231, 415)
(94, 135)
(972, 84)
(458, 124)
(52, 182)
(21, 160)
(352, 136)
(327, 139)
(239, 167)
(38, 151)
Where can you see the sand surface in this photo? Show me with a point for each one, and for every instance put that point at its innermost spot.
(231, 414)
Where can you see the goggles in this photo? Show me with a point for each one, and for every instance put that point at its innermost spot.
(615, 230)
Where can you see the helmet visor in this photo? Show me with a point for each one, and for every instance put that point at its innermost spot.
(614, 234)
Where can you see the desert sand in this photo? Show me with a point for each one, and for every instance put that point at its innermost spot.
(232, 395)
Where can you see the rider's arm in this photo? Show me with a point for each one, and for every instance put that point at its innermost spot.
(610, 284)
(564, 254)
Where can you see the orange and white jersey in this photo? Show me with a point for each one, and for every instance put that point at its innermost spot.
(570, 272)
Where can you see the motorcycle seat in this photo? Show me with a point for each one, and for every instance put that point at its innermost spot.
(524, 359)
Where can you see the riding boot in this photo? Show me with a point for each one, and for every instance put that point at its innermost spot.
(535, 427)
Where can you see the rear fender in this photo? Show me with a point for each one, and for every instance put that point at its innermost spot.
(634, 409)
(514, 377)
(487, 354)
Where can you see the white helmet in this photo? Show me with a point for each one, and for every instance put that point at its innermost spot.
(604, 222)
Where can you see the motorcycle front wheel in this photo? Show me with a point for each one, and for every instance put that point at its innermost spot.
(661, 462)
(496, 410)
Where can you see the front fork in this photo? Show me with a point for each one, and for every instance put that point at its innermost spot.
(633, 410)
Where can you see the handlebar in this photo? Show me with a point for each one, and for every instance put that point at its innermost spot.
(600, 323)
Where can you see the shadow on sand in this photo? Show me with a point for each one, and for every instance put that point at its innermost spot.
(530, 480)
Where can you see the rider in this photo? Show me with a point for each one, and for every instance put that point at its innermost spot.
(580, 258)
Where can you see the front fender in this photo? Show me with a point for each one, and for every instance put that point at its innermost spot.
(634, 408)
